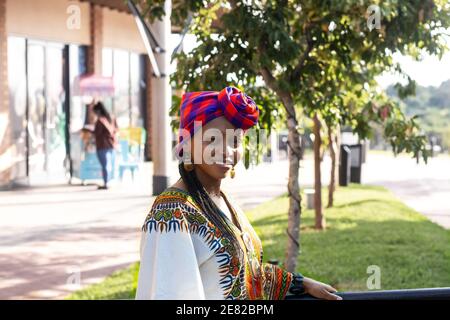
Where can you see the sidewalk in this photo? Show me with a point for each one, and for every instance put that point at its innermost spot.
(423, 187)
(52, 236)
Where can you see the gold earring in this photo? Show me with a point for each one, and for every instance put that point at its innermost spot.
(232, 173)
(187, 161)
(188, 166)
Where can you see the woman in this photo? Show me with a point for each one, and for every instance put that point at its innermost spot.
(196, 242)
(105, 139)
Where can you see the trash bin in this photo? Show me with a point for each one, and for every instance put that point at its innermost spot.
(344, 166)
(309, 193)
(356, 156)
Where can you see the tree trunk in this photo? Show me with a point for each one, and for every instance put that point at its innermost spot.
(294, 154)
(332, 138)
(293, 228)
(332, 185)
(319, 218)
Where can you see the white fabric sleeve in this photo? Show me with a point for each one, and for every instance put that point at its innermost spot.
(169, 267)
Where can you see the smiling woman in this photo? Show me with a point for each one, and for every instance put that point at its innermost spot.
(196, 242)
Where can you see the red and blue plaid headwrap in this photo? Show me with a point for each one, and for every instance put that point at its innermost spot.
(204, 106)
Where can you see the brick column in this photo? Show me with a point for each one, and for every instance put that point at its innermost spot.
(94, 50)
(148, 105)
(5, 132)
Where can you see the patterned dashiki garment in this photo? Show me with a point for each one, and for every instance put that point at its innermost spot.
(184, 256)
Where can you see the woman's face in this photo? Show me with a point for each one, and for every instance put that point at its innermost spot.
(219, 149)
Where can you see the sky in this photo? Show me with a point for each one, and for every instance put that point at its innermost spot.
(429, 72)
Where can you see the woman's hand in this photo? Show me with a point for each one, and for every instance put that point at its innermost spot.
(320, 290)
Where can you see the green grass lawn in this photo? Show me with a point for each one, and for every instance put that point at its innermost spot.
(368, 226)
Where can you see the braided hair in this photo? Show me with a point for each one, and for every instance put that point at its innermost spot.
(208, 206)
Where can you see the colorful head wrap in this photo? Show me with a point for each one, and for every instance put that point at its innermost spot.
(204, 106)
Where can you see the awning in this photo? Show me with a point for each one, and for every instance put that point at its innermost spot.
(121, 5)
(93, 85)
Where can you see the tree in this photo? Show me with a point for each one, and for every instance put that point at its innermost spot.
(290, 45)
(334, 145)
(319, 218)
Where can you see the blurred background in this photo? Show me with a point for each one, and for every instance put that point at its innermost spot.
(60, 235)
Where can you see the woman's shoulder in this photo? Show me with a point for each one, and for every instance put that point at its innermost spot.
(173, 206)
(174, 197)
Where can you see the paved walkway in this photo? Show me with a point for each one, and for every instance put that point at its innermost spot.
(423, 187)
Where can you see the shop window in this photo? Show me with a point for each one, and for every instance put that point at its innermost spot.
(17, 99)
(126, 69)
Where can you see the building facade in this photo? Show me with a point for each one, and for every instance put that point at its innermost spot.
(44, 46)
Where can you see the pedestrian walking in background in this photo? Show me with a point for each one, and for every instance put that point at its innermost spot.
(105, 139)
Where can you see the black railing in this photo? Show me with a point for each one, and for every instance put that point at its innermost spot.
(410, 294)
